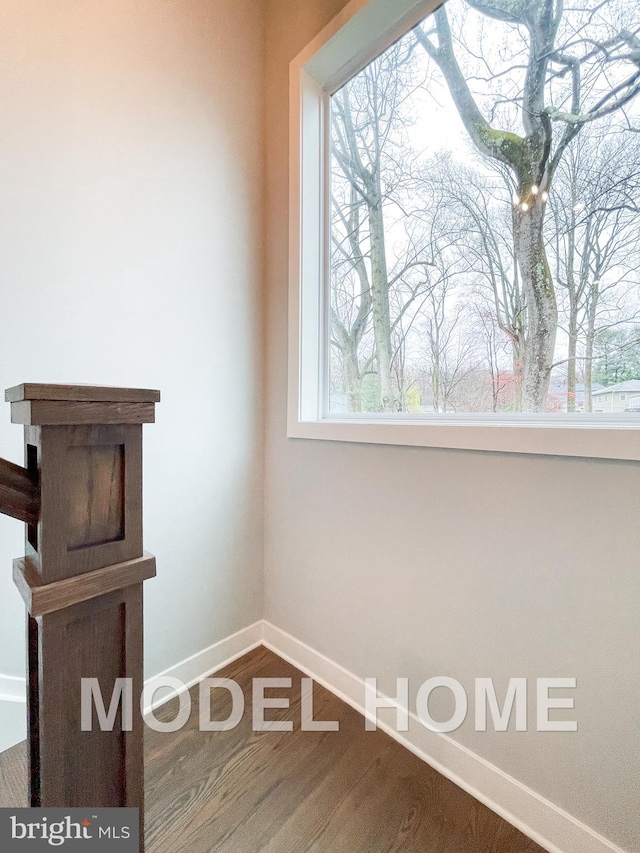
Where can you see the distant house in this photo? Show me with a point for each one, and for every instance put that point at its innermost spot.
(558, 394)
(616, 398)
(633, 404)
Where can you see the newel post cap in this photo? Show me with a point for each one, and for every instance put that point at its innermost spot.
(40, 404)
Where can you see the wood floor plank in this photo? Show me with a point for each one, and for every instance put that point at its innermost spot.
(13, 777)
(241, 791)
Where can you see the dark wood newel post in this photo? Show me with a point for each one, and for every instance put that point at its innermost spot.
(81, 498)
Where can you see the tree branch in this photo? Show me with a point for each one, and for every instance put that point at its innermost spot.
(499, 145)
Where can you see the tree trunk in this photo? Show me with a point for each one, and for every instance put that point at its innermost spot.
(588, 374)
(590, 344)
(518, 357)
(435, 385)
(352, 376)
(389, 398)
(541, 307)
(571, 363)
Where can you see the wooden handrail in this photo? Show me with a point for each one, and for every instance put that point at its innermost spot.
(19, 493)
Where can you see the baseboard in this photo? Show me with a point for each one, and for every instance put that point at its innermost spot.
(548, 825)
(13, 712)
(13, 688)
(193, 669)
(189, 671)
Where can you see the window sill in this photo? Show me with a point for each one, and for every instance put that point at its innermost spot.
(607, 440)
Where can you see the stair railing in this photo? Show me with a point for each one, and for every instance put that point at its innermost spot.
(80, 496)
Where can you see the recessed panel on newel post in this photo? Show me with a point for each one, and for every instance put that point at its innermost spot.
(82, 580)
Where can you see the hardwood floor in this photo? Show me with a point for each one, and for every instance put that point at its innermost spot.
(241, 791)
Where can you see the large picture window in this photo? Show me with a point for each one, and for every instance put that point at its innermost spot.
(467, 208)
(485, 218)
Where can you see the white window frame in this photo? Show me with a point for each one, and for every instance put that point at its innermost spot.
(363, 30)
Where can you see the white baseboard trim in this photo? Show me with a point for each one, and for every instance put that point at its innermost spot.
(13, 711)
(13, 723)
(13, 689)
(548, 825)
(197, 667)
(189, 671)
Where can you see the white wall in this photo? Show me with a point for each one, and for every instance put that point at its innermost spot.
(416, 562)
(131, 168)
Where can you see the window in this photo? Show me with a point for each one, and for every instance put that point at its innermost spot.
(464, 226)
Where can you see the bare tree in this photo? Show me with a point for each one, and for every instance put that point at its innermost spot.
(587, 62)
(479, 210)
(494, 345)
(448, 348)
(350, 293)
(594, 228)
(367, 125)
